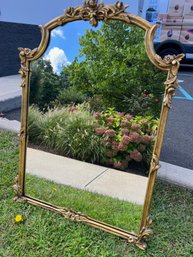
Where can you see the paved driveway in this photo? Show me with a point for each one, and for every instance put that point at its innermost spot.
(178, 142)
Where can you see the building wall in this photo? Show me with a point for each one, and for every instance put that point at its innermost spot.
(12, 36)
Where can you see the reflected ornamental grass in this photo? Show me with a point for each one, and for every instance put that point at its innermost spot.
(106, 138)
(68, 132)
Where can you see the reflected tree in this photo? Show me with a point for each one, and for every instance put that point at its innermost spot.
(113, 63)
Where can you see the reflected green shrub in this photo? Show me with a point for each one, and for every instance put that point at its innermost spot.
(70, 95)
(109, 137)
(113, 68)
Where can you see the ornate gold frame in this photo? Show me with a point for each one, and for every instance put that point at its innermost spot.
(94, 12)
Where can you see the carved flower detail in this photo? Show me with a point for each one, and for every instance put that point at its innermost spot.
(95, 12)
(70, 11)
(92, 3)
(145, 232)
(173, 59)
(119, 5)
(92, 16)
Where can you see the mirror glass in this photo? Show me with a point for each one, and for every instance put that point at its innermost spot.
(95, 102)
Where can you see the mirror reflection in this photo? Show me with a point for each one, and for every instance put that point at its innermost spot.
(95, 102)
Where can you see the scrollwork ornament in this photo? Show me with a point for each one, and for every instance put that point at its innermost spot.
(155, 163)
(25, 54)
(74, 216)
(95, 12)
(145, 232)
(17, 189)
(171, 83)
(79, 217)
(22, 134)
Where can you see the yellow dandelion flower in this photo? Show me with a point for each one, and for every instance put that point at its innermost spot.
(18, 218)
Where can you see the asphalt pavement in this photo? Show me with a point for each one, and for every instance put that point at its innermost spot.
(178, 142)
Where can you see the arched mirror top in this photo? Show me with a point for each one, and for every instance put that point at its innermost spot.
(94, 12)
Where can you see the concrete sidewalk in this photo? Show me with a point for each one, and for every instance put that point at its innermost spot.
(176, 175)
(86, 176)
(167, 172)
(10, 93)
(10, 125)
(10, 99)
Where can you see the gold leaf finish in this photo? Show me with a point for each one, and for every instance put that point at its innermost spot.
(155, 163)
(17, 187)
(18, 191)
(171, 83)
(93, 12)
(24, 54)
(144, 233)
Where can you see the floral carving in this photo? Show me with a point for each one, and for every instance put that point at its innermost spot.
(155, 163)
(18, 191)
(74, 216)
(79, 217)
(25, 54)
(139, 240)
(22, 134)
(145, 232)
(94, 12)
(17, 188)
(171, 82)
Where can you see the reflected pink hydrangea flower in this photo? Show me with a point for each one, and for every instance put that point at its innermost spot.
(122, 147)
(125, 131)
(144, 121)
(146, 139)
(72, 109)
(110, 132)
(128, 116)
(135, 137)
(100, 131)
(117, 164)
(136, 155)
(135, 127)
(120, 114)
(121, 164)
(114, 145)
(125, 139)
(110, 119)
(97, 114)
(125, 123)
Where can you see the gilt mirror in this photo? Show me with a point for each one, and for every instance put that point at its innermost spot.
(95, 100)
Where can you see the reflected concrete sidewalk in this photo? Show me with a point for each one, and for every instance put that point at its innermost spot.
(86, 176)
(168, 172)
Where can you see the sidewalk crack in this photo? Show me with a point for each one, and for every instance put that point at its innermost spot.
(95, 178)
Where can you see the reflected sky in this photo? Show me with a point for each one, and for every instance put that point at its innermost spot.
(64, 44)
